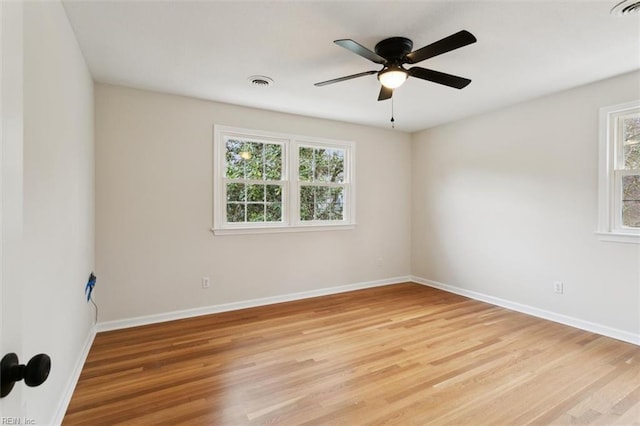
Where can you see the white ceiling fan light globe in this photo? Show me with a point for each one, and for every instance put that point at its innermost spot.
(392, 79)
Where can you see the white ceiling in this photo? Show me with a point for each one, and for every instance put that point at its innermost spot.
(208, 49)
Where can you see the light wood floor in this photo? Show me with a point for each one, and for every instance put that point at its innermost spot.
(402, 354)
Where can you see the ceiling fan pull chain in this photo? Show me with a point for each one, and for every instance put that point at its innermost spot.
(393, 121)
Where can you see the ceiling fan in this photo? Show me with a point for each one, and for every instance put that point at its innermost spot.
(392, 53)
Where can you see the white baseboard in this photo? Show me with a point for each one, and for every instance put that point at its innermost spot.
(233, 306)
(604, 330)
(65, 399)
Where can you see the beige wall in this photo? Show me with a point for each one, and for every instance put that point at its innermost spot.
(154, 210)
(11, 189)
(57, 241)
(506, 203)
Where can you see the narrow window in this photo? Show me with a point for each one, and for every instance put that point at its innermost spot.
(619, 196)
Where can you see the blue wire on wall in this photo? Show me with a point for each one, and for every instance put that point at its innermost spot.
(88, 290)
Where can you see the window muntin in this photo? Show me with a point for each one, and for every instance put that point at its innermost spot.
(620, 172)
(267, 182)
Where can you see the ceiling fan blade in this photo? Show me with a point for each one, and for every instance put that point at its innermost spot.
(385, 93)
(439, 77)
(347, 77)
(359, 49)
(454, 41)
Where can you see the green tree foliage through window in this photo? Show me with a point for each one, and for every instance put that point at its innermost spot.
(254, 187)
(321, 173)
(631, 183)
(268, 182)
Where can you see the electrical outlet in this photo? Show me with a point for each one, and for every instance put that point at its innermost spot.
(558, 287)
(206, 283)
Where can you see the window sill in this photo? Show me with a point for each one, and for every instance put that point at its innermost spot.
(280, 229)
(617, 237)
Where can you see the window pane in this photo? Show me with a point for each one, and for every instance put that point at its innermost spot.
(337, 203)
(321, 165)
(337, 166)
(329, 165)
(321, 203)
(322, 160)
(631, 142)
(254, 165)
(253, 160)
(631, 201)
(255, 212)
(235, 192)
(274, 212)
(631, 214)
(235, 212)
(273, 161)
(307, 202)
(255, 192)
(273, 193)
(329, 203)
(235, 163)
(305, 169)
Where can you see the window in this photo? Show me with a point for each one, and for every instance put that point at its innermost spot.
(253, 181)
(619, 196)
(267, 182)
(321, 183)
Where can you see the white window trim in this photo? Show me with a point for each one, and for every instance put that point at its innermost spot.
(609, 226)
(290, 212)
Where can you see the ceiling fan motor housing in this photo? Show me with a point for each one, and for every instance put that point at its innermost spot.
(394, 48)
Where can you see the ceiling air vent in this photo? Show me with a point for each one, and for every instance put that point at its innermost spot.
(626, 7)
(260, 81)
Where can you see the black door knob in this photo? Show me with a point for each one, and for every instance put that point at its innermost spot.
(34, 373)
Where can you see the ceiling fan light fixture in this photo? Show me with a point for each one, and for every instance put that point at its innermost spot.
(393, 78)
(394, 52)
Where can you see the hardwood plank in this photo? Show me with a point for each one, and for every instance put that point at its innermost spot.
(401, 354)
